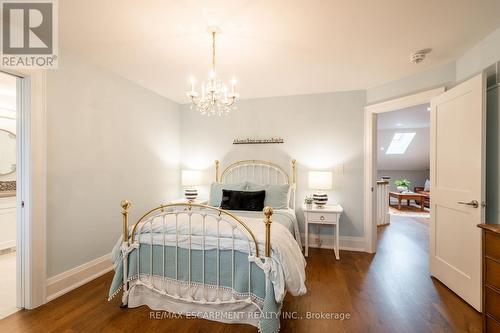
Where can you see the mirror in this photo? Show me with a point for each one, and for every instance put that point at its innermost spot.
(7, 152)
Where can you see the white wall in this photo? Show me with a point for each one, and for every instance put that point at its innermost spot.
(9, 125)
(108, 139)
(322, 131)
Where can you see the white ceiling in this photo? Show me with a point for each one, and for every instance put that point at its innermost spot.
(416, 156)
(412, 117)
(274, 48)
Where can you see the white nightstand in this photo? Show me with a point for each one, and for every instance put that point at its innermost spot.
(326, 215)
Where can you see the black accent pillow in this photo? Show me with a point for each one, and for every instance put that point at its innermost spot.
(243, 200)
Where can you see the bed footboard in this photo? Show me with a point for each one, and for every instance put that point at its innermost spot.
(174, 235)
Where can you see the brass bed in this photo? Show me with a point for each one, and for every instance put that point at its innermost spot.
(160, 253)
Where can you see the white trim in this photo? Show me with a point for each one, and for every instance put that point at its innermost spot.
(371, 111)
(405, 101)
(35, 204)
(71, 279)
(32, 187)
(347, 243)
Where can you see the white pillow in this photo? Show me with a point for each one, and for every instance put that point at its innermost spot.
(427, 186)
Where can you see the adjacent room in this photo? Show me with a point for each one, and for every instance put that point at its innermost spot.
(403, 165)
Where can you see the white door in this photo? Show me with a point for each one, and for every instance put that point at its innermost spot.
(457, 188)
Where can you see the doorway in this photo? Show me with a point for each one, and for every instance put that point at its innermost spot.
(10, 269)
(403, 164)
(372, 112)
(457, 173)
(31, 170)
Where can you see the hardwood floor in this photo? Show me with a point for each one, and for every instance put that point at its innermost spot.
(387, 292)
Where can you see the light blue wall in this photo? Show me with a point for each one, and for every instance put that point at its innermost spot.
(481, 56)
(493, 153)
(108, 139)
(321, 131)
(339, 117)
(434, 78)
(485, 56)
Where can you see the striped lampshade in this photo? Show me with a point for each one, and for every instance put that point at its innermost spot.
(191, 193)
(320, 180)
(320, 199)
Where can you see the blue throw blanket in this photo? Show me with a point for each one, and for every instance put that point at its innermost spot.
(262, 291)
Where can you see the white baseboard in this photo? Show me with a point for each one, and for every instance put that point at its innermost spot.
(65, 282)
(347, 243)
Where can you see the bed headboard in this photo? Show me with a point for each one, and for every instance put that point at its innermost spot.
(260, 172)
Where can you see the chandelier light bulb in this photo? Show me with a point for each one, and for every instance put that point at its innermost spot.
(233, 85)
(192, 81)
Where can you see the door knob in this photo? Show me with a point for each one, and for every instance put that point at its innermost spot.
(473, 203)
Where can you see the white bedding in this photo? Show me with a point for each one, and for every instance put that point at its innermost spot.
(286, 217)
(288, 264)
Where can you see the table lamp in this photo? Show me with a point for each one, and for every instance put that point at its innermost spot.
(190, 179)
(319, 181)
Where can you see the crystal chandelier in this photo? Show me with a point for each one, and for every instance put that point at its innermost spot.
(215, 98)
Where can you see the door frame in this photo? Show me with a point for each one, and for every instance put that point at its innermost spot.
(370, 156)
(32, 187)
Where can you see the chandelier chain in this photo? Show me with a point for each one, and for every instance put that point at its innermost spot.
(213, 51)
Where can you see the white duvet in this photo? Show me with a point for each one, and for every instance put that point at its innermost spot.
(286, 217)
(287, 264)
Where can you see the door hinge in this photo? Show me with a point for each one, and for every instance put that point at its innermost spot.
(372, 188)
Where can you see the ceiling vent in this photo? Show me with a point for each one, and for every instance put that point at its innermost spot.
(419, 56)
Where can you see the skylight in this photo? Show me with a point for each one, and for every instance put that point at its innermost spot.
(399, 143)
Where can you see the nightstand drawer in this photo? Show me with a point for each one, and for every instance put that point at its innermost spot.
(322, 217)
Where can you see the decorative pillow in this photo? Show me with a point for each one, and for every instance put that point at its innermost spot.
(277, 196)
(243, 200)
(216, 191)
(427, 186)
